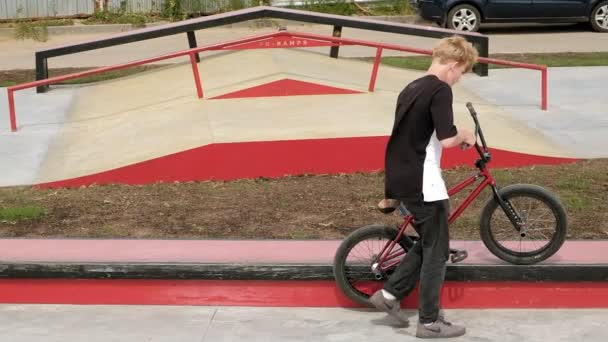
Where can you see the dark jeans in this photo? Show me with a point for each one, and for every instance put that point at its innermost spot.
(426, 261)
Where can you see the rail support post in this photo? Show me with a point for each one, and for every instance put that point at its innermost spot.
(197, 77)
(192, 44)
(543, 86)
(11, 109)
(333, 52)
(481, 69)
(42, 73)
(372, 81)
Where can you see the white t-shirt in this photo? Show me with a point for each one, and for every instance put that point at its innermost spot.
(433, 186)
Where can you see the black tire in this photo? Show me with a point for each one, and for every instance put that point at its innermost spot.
(599, 17)
(463, 18)
(364, 273)
(514, 193)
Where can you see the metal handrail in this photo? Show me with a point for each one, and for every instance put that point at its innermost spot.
(236, 45)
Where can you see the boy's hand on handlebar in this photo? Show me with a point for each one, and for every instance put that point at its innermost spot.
(468, 138)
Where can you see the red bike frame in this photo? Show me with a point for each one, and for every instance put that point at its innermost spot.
(387, 261)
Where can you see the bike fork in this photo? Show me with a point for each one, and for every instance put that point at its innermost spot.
(508, 209)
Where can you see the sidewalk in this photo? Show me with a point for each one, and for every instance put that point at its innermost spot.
(67, 323)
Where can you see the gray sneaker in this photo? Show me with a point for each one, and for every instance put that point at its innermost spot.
(391, 307)
(439, 329)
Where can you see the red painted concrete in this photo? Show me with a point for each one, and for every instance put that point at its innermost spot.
(280, 158)
(243, 251)
(291, 293)
(286, 87)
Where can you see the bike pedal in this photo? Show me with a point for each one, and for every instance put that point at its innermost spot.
(458, 255)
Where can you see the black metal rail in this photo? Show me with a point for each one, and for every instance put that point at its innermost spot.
(481, 42)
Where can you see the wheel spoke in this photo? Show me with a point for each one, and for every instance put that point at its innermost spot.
(356, 265)
(539, 226)
(601, 17)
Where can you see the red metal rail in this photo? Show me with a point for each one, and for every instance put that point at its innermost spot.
(295, 39)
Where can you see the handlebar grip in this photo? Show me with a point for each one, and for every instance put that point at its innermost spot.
(471, 109)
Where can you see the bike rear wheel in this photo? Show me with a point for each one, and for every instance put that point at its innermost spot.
(545, 225)
(356, 255)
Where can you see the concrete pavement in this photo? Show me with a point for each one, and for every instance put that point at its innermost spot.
(72, 323)
(576, 118)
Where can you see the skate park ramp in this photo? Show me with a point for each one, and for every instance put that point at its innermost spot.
(267, 112)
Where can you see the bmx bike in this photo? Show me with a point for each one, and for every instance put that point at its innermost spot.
(522, 224)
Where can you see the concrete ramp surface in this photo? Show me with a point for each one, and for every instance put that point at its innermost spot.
(152, 127)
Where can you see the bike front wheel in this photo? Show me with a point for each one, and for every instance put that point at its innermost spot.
(543, 230)
(355, 258)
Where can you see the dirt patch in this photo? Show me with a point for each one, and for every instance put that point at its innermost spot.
(302, 207)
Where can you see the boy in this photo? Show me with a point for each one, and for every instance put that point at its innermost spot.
(424, 125)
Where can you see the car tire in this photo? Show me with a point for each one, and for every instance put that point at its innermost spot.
(599, 17)
(463, 18)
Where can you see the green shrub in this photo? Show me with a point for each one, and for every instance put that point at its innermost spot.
(31, 30)
(341, 7)
(173, 10)
(120, 16)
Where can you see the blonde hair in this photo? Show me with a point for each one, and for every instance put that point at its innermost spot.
(457, 49)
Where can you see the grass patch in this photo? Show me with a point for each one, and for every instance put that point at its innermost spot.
(13, 214)
(559, 59)
(575, 202)
(7, 83)
(565, 59)
(573, 183)
(502, 176)
(410, 62)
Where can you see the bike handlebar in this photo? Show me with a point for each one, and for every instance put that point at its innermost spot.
(482, 153)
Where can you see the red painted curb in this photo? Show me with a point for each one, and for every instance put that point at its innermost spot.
(274, 159)
(292, 293)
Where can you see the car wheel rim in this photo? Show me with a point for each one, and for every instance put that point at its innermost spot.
(464, 20)
(601, 17)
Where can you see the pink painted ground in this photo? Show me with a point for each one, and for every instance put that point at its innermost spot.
(236, 251)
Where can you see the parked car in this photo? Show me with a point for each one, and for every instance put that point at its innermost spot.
(467, 15)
